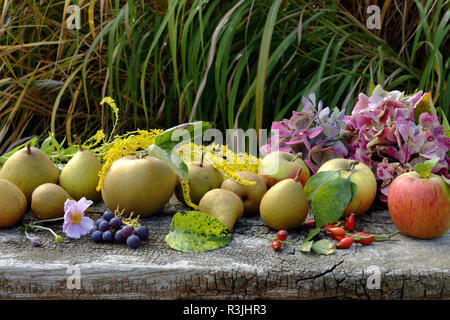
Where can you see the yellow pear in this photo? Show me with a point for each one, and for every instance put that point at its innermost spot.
(284, 206)
(28, 168)
(13, 204)
(80, 176)
(142, 186)
(223, 205)
(47, 201)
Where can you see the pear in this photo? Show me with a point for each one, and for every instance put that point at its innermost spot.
(223, 205)
(250, 195)
(202, 178)
(28, 168)
(142, 186)
(80, 176)
(13, 204)
(47, 201)
(284, 206)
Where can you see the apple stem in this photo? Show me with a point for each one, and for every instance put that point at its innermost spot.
(29, 148)
(298, 155)
(352, 168)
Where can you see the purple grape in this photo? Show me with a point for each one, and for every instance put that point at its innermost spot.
(104, 226)
(108, 236)
(97, 236)
(141, 232)
(133, 241)
(126, 232)
(108, 215)
(97, 223)
(118, 237)
(115, 223)
(93, 229)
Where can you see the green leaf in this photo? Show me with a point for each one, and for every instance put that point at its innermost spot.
(311, 234)
(444, 121)
(330, 201)
(424, 169)
(196, 231)
(306, 246)
(171, 158)
(324, 246)
(354, 190)
(316, 181)
(187, 132)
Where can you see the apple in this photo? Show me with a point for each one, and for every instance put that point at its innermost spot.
(364, 179)
(419, 206)
(280, 165)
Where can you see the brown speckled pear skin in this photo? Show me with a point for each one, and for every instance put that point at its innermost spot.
(80, 176)
(142, 186)
(47, 201)
(29, 169)
(284, 206)
(13, 204)
(223, 205)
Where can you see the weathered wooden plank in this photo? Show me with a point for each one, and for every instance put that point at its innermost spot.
(246, 269)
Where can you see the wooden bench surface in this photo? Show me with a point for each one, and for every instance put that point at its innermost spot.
(246, 269)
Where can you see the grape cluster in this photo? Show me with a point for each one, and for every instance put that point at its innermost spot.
(110, 229)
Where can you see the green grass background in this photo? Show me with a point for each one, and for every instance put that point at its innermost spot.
(239, 63)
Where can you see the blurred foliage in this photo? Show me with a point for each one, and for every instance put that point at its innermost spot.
(237, 63)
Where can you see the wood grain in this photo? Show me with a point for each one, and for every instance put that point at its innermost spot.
(246, 269)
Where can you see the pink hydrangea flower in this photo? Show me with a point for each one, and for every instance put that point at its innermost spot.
(76, 224)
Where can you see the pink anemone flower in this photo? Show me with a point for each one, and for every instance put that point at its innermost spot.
(76, 224)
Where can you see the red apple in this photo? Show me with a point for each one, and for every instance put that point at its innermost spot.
(420, 207)
(280, 165)
(364, 179)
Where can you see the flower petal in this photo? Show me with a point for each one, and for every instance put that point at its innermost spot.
(72, 231)
(83, 204)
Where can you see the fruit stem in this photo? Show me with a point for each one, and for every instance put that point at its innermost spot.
(352, 168)
(47, 220)
(202, 158)
(80, 147)
(298, 155)
(29, 148)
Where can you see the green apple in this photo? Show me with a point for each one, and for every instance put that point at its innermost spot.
(280, 165)
(364, 179)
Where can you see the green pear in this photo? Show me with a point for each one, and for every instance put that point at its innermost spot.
(250, 195)
(47, 201)
(284, 206)
(13, 204)
(28, 168)
(142, 186)
(223, 205)
(80, 176)
(202, 178)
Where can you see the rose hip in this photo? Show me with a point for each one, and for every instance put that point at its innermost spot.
(350, 222)
(337, 232)
(365, 241)
(345, 243)
(282, 235)
(276, 245)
